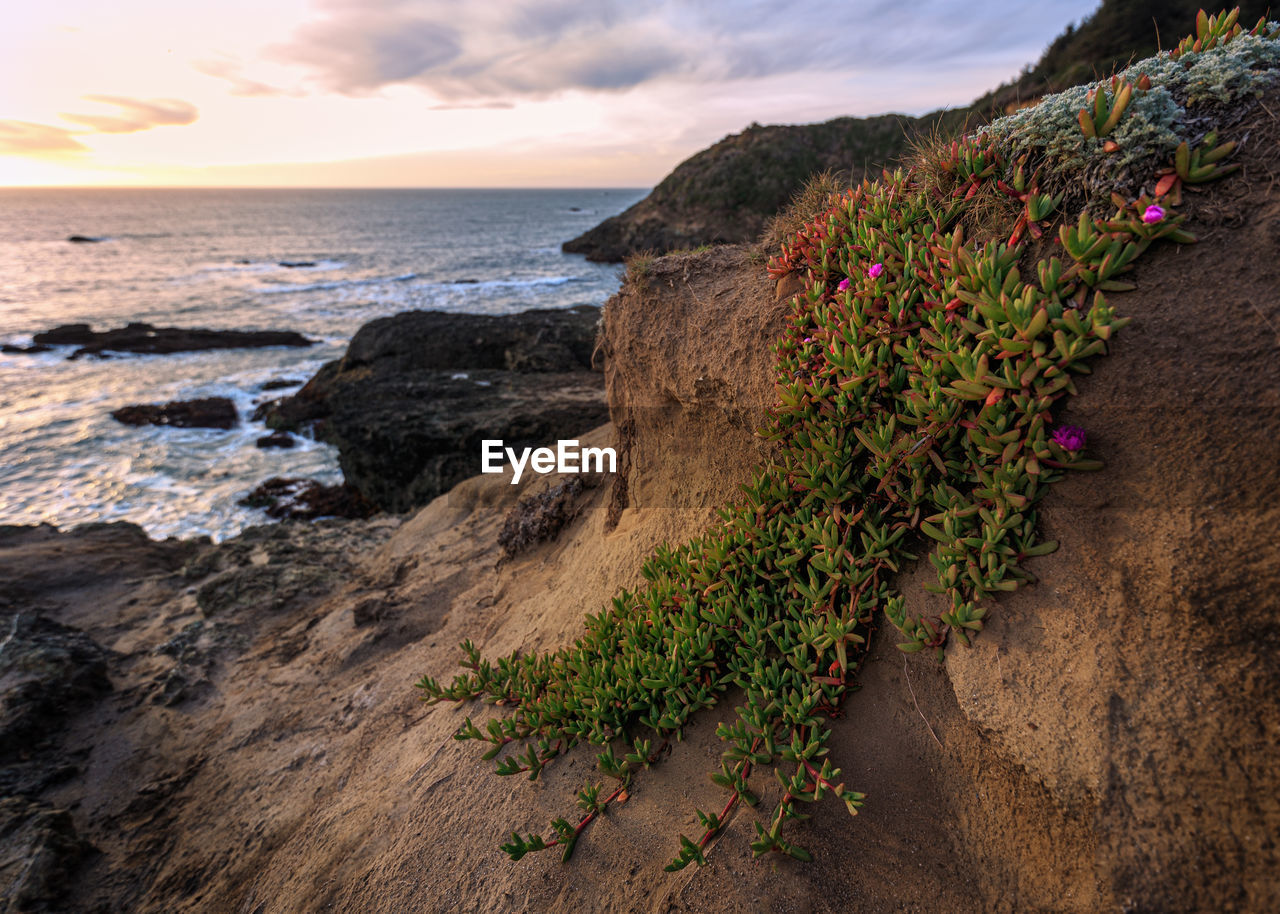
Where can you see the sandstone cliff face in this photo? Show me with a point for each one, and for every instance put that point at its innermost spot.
(1107, 744)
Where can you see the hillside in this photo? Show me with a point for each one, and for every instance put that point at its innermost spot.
(727, 193)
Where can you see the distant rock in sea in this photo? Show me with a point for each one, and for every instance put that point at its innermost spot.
(280, 383)
(276, 439)
(207, 412)
(142, 337)
(296, 264)
(84, 239)
(10, 349)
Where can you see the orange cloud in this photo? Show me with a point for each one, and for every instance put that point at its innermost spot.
(135, 114)
(241, 85)
(26, 138)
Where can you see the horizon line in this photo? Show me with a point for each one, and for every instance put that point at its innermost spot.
(4, 187)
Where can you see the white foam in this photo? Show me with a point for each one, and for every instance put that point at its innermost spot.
(283, 288)
(511, 283)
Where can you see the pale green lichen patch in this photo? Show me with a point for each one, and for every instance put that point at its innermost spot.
(1187, 99)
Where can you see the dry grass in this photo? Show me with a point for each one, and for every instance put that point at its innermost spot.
(637, 267)
(991, 213)
(810, 201)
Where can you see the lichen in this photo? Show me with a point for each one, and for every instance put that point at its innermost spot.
(1185, 93)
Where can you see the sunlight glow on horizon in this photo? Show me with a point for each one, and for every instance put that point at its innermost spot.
(386, 93)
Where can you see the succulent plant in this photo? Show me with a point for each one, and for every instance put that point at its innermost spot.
(919, 381)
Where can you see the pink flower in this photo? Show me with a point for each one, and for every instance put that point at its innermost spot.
(1153, 214)
(875, 270)
(1070, 437)
(808, 339)
(844, 284)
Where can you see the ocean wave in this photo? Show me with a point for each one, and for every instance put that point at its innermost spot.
(285, 287)
(272, 266)
(509, 283)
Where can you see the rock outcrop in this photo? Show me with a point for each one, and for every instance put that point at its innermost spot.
(206, 412)
(415, 394)
(141, 337)
(305, 499)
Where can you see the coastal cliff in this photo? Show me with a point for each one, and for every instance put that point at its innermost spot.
(238, 731)
(190, 726)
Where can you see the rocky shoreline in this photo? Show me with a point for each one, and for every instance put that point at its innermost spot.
(192, 727)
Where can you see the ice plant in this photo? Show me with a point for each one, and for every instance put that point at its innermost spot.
(1070, 437)
(1153, 214)
(927, 428)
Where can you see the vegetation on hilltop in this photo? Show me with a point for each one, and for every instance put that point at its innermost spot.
(728, 192)
(925, 359)
(725, 194)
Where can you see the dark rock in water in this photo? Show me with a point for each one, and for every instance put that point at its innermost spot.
(48, 672)
(207, 412)
(84, 239)
(295, 264)
(276, 439)
(141, 337)
(307, 499)
(415, 394)
(280, 383)
(67, 335)
(10, 349)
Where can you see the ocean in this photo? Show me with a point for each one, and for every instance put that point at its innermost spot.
(213, 258)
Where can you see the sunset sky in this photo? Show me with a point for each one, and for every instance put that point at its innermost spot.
(416, 93)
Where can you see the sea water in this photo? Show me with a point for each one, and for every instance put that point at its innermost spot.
(213, 258)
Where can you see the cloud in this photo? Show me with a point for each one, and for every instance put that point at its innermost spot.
(361, 48)
(25, 138)
(232, 71)
(135, 114)
(493, 105)
(535, 48)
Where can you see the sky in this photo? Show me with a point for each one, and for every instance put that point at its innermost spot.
(502, 93)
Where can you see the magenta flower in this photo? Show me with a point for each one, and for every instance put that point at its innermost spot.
(808, 339)
(844, 284)
(875, 270)
(1153, 214)
(1070, 437)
